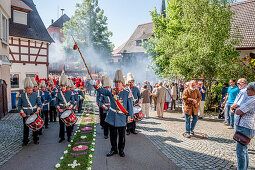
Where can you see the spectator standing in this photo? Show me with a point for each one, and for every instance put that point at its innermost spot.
(245, 123)
(223, 94)
(161, 98)
(173, 96)
(202, 90)
(168, 97)
(242, 96)
(191, 97)
(145, 93)
(154, 97)
(150, 88)
(233, 90)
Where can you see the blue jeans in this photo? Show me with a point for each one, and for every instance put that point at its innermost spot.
(190, 127)
(242, 151)
(230, 115)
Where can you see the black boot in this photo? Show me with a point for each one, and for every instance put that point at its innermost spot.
(111, 153)
(61, 140)
(122, 154)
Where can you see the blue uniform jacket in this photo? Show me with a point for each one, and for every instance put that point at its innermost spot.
(136, 94)
(46, 99)
(113, 118)
(35, 101)
(69, 96)
(76, 97)
(81, 94)
(53, 95)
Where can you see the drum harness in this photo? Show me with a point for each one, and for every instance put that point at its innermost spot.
(30, 106)
(66, 104)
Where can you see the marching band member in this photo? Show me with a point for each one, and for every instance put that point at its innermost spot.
(81, 96)
(46, 99)
(37, 91)
(29, 103)
(64, 101)
(120, 106)
(136, 97)
(53, 92)
(104, 103)
(98, 101)
(76, 96)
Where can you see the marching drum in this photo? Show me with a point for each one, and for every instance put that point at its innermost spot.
(138, 114)
(68, 117)
(34, 122)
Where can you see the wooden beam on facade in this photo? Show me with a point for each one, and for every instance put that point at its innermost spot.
(39, 52)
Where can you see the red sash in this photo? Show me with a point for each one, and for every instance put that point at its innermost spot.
(118, 104)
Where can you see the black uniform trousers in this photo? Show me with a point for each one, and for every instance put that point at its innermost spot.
(26, 133)
(104, 124)
(101, 112)
(53, 113)
(131, 126)
(80, 106)
(62, 130)
(114, 132)
(46, 117)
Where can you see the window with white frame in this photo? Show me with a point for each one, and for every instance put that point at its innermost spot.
(19, 17)
(4, 25)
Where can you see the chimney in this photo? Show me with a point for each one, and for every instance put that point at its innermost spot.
(52, 21)
(62, 11)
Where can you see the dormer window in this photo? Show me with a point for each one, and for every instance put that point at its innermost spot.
(20, 17)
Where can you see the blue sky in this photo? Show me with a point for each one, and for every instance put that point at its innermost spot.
(123, 15)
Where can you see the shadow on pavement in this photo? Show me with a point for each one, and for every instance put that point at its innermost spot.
(188, 159)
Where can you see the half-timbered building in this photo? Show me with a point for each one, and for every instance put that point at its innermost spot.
(28, 43)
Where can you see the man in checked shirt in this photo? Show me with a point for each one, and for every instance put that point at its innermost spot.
(245, 123)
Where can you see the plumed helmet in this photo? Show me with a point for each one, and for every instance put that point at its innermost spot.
(130, 77)
(82, 84)
(125, 80)
(33, 81)
(51, 82)
(69, 83)
(63, 80)
(118, 76)
(37, 79)
(107, 82)
(28, 83)
(42, 84)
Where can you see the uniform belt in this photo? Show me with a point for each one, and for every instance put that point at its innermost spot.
(116, 111)
(30, 107)
(68, 104)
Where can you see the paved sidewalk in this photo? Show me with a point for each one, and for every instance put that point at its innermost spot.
(140, 153)
(43, 156)
(216, 152)
(11, 135)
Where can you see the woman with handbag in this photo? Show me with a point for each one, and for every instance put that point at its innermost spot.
(245, 127)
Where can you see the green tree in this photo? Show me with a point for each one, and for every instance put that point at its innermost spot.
(89, 28)
(194, 40)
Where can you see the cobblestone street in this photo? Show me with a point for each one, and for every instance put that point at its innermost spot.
(215, 152)
(11, 135)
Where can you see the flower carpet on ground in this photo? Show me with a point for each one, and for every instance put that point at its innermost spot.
(80, 152)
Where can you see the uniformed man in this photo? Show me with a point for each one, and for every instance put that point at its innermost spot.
(81, 93)
(29, 103)
(76, 95)
(53, 92)
(98, 101)
(64, 101)
(121, 106)
(136, 97)
(46, 99)
(104, 104)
